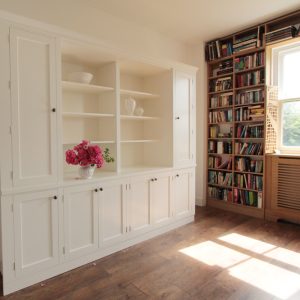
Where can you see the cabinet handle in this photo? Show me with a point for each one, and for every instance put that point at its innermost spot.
(101, 189)
(53, 109)
(96, 190)
(177, 118)
(55, 197)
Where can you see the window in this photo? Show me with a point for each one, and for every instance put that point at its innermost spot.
(286, 75)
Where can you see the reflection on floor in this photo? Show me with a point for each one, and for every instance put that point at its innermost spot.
(219, 256)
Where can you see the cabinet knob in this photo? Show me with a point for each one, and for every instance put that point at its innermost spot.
(177, 175)
(101, 189)
(155, 179)
(55, 197)
(96, 190)
(152, 179)
(177, 118)
(53, 109)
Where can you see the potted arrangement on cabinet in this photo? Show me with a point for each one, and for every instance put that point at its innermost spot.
(88, 157)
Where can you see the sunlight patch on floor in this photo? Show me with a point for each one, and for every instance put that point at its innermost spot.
(272, 279)
(214, 254)
(247, 243)
(286, 256)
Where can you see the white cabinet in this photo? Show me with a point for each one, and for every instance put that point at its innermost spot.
(35, 231)
(160, 197)
(183, 193)
(80, 221)
(138, 204)
(33, 94)
(112, 213)
(184, 119)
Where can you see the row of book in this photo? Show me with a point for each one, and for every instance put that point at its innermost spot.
(247, 164)
(250, 97)
(218, 49)
(220, 84)
(222, 68)
(248, 198)
(281, 34)
(248, 181)
(251, 78)
(220, 116)
(221, 100)
(220, 178)
(248, 41)
(248, 148)
(219, 147)
(220, 193)
(215, 162)
(252, 113)
(250, 131)
(249, 61)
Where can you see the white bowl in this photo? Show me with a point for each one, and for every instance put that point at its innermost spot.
(82, 77)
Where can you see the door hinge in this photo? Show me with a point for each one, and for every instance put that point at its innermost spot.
(14, 266)
(12, 208)
(12, 175)
(64, 250)
(9, 84)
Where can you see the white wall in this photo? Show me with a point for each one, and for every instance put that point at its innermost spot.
(197, 58)
(77, 16)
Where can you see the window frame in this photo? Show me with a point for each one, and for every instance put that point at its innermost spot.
(276, 77)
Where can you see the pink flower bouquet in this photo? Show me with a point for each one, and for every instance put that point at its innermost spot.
(86, 154)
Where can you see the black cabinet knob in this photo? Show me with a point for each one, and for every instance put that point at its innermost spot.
(101, 189)
(177, 175)
(55, 197)
(53, 109)
(96, 190)
(152, 179)
(177, 118)
(155, 179)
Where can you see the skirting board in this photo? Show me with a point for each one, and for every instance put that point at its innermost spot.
(20, 283)
(200, 202)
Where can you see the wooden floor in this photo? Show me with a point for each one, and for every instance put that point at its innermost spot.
(219, 256)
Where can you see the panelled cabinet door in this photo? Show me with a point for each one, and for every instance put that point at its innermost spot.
(33, 94)
(184, 119)
(36, 231)
(138, 205)
(160, 199)
(80, 221)
(112, 213)
(184, 195)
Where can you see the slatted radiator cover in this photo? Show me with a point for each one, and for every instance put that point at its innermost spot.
(288, 183)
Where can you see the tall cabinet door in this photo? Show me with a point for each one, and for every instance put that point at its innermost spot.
(33, 93)
(80, 221)
(184, 119)
(36, 231)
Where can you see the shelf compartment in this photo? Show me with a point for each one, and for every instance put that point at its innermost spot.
(137, 94)
(86, 115)
(137, 118)
(85, 88)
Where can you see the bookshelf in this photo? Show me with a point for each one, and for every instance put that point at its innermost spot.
(237, 92)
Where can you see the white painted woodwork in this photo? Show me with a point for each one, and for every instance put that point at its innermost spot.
(138, 204)
(33, 94)
(80, 221)
(184, 110)
(160, 199)
(112, 213)
(35, 231)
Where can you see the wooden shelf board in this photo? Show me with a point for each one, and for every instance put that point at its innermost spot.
(221, 107)
(220, 123)
(220, 76)
(249, 104)
(245, 172)
(246, 189)
(220, 186)
(249, 155)
(85, 88)
(137, 118)
(220, 170)
(138, 94)
(249, 121)
(221, 92)
(249, 87)
(215, 61)
(250, 138)
(248, 51)
(221, 139)
(86, 115)
(216, 154)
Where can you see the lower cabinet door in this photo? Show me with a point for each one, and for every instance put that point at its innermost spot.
(138, 205)
(36, 231)
(183, 193)
(80, 221)
(160, 198)
(112, 213)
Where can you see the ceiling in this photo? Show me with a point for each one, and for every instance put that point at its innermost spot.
(191, 21)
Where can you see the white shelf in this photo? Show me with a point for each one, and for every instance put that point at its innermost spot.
(139, 141)
(86, 115)
(127, 117)
(137, 94)
(92, 142)
(85, 88)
